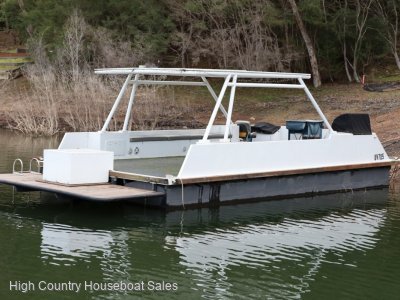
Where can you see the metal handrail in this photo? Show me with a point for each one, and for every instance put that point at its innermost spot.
(22, 166)
(39, 164)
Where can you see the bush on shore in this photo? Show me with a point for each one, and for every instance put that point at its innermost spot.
(64, 93)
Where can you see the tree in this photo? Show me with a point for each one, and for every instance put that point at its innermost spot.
(340, 23)
(145, 23)
(75, 29)
(388, 11)
(231, 34)
(334, 39)
(309, 45)
(362, 10)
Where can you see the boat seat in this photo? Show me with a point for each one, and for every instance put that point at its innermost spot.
(357, 124)
(304, 129)
(313, 130)
(244, 130)
(265, 128)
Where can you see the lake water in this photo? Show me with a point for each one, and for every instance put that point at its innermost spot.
(341, 246)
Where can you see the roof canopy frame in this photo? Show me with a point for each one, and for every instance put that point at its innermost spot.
(182, 72)
(203, 74)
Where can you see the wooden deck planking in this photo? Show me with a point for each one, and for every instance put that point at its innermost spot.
(139, 177)
(97, 192)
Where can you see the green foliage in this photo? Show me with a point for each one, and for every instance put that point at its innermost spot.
(143, 22)
(334, 25)
(139, 21)
(41, 17)
(312, 12)
(200, 30)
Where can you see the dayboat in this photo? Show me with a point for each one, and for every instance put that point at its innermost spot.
(219, 164)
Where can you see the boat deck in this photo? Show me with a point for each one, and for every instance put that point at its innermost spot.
(95, 192)
(159, 167)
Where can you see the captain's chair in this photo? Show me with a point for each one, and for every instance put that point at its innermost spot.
(244, 130)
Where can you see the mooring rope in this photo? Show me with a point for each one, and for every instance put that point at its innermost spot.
(183, 199)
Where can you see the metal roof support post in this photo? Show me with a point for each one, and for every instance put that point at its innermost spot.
(216, 107)
(213, 94)
(315, 104)
(130, 104)
(230, 108)
(116, 103)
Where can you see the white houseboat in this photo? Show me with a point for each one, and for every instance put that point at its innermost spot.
(237, 161)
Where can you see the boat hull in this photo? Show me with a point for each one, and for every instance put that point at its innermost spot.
(264, 188)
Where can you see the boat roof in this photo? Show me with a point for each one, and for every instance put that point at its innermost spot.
(221, 73)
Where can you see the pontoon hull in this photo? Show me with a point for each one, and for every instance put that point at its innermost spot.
(256, 189)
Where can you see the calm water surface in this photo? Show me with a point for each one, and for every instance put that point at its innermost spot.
(343, 246)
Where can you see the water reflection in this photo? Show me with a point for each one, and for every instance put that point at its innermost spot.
(211, 255)
(59, 239)
(301, 244)
(64, 245)
(252, 244)
(274, 247)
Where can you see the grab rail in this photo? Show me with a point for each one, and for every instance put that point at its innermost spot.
(39, 164)
(22, 166)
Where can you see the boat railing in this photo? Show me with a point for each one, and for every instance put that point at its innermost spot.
(232, 79)
(39, 165)
(18, 160)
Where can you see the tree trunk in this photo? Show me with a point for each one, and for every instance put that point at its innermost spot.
(396, 57)
(345, 61)
(21, 5)
(346, 64)
(309, 44)
(355, 74)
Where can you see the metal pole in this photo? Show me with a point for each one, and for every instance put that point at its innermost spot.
(169, 82)
(315, 104)
(230, 108)
(116, 103)
(213, 94)
(130, 104)
(216, 107)
(268, 85)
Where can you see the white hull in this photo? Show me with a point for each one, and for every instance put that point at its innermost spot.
(217, 158)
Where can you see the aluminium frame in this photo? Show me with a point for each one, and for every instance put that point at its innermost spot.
(230, 77)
